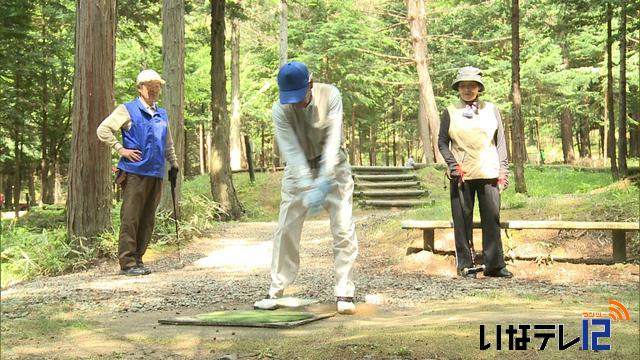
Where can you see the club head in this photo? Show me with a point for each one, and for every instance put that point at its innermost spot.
(473, 270)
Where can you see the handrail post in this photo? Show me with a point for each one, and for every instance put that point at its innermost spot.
(619, 246)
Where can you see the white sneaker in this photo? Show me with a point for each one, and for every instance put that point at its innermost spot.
(346, 307)
(266, 304)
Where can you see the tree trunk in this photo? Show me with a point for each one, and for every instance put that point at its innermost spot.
(263, 153)
(352, 143)
(46, 177)
(372, 146)
(611, 135)
(634, 130)
(202, 149)
(173, 96)
(566, 132)
(222, 187)
(428, 121)
(32, 187)
(58, 195)
(538, 144)
(602, 141)
(385, 127)
(622, 112)
(89, 198)
(585, 141)
(518, 139)
(238, 157)
(208, 145)
(17, 180)
(284, 56)
(401, 137)
(284, 29)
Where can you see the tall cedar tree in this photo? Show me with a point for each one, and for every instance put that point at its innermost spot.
(611, 136)
(173, 43)
(222, 187)
(89, 202)
(427, 114)
(518, 123)
(622, 112)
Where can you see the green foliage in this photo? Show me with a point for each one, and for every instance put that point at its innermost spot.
(517, 201)
(28, 253)
(261, 199)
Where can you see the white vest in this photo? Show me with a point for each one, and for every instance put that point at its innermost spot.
(473, 140)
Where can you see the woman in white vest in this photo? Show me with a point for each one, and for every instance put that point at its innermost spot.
(472, 142)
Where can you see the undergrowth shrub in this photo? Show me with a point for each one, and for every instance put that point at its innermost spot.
(26, 253)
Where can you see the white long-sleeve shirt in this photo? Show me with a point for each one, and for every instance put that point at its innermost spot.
(305, 134)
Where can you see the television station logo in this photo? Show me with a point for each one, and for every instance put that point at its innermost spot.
(595, 330)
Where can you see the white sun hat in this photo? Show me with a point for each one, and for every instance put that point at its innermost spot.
(148, 75)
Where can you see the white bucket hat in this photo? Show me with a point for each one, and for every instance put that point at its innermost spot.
(148, 75)
(468, 73)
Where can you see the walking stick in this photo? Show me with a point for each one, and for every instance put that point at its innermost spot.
(173, 178)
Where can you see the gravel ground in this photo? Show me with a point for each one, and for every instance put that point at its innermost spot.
(229, 269)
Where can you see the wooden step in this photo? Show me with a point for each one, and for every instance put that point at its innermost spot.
(399, 177)
(390, 193)
(380, 169)
(388, 184)
(395, 203)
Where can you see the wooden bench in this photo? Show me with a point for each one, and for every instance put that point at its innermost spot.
(618, 230)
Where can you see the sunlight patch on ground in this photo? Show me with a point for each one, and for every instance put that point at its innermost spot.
(238, 255)
(12, 214)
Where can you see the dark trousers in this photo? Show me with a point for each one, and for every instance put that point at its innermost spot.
(140, 198)
(462, 201)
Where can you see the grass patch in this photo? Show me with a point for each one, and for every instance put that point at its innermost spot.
(50, 321)
(261, 199)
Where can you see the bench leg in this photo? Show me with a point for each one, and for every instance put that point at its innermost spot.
(619, 246)
(428, 238)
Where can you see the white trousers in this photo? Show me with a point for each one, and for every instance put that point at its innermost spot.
(286, 244)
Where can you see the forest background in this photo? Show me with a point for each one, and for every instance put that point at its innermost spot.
(578, 79)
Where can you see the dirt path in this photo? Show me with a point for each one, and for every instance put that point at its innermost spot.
(402, 299)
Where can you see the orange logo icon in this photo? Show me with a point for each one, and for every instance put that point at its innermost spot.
(618, 311)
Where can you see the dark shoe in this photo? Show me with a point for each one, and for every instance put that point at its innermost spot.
(146, 270)
(133, 271)
(503, 273)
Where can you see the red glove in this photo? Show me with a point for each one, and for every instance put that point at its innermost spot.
(458, 173)
(503, 182)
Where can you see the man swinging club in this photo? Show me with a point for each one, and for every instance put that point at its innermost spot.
(308, 124)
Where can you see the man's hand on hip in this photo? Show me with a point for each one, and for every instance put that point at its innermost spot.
(131, 155)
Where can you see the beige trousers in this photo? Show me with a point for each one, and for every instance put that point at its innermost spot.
(286, 244)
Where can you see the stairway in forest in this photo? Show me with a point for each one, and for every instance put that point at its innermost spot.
(387, 186)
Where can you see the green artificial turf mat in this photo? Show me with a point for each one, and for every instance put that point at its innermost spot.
(252, 318)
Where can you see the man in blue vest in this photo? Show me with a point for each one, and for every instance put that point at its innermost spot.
(146, 144)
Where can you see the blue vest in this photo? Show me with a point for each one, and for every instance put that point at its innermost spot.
(148, 134)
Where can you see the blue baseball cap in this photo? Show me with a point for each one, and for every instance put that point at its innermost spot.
(293, 81)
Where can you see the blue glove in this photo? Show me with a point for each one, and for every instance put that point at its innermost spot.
(315, 197)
